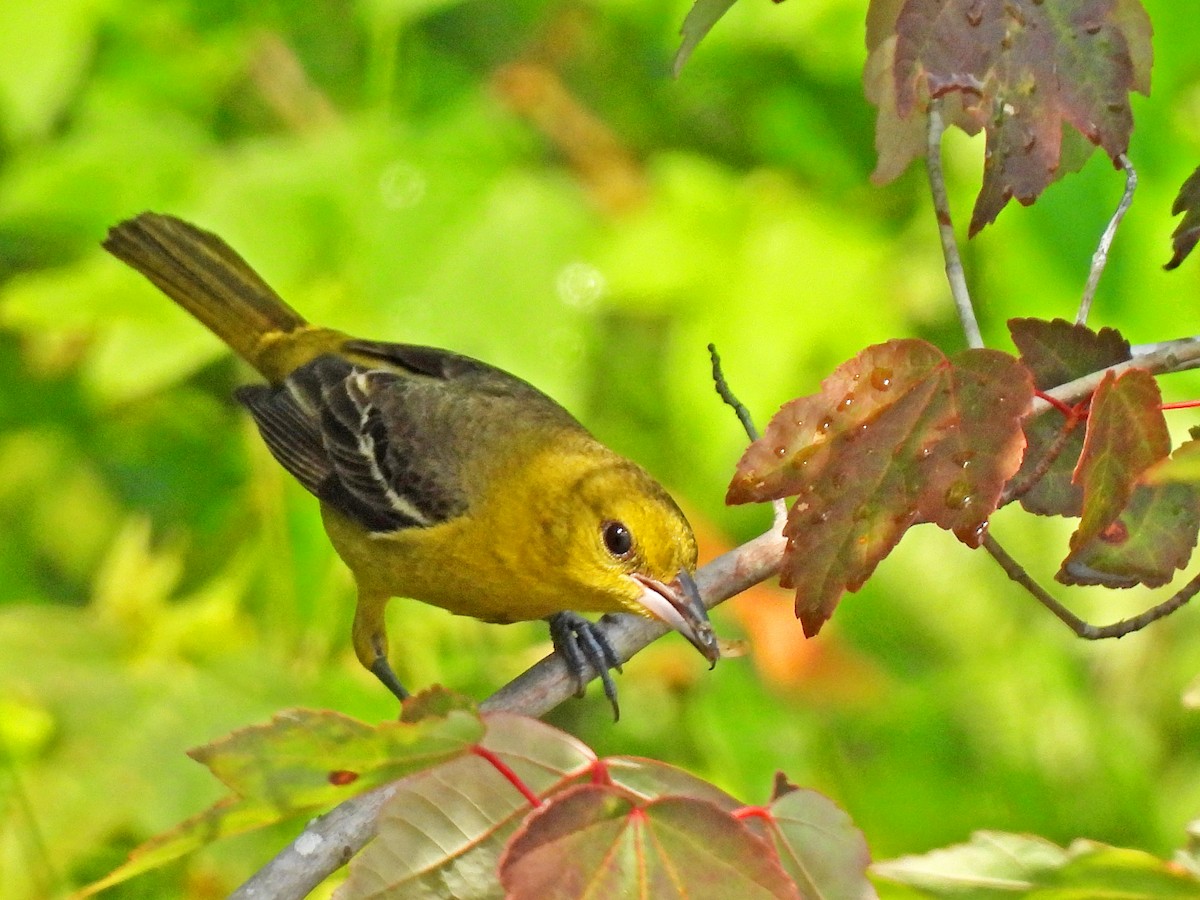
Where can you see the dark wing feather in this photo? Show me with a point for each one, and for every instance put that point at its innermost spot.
(429, 361)
(291, 434)
(464, 372)
(387, 433)
(325, 425)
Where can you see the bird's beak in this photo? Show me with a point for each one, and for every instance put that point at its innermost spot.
(678, 604)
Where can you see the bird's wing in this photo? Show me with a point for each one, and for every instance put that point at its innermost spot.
(465, 373)
(378, 446)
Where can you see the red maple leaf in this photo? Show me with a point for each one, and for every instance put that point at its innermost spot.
(897, 436)
(1019, 69)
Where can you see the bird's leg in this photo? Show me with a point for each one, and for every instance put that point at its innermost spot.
(582, 645)
(370, 642)
(382, 670)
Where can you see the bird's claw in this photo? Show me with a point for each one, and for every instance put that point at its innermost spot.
(585, 649)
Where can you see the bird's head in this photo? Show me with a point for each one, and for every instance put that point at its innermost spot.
(628, 544)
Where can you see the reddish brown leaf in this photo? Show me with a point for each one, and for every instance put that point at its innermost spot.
(1058, 351)
(1155, 534)
(598, 841)
(901, 139)
(899, 435)
(1152, 538)
(1126, 434)
(1055, 353)
(1019, 68)
(1187, 233)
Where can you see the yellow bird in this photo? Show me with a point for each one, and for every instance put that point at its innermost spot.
(440, 478)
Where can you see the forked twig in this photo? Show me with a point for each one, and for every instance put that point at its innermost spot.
(1100, 257)
(1086, 630)
(941, 208)
(728, 396)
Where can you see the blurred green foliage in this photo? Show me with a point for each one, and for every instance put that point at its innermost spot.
(429, 172)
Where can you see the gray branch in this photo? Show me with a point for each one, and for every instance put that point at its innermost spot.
(1100, 257)
(941, 209)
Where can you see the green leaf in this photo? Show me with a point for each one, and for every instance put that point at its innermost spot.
(1183, 466)
(992, 865)
(650, 779)
(1146, 544)
(700, 19)
(45, 49)
(298, 762)
(1099, 871)
(997, 866)
(819, 846)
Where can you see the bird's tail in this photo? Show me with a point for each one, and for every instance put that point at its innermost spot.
(208, 278)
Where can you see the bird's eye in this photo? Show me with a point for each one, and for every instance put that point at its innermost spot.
(617, 539)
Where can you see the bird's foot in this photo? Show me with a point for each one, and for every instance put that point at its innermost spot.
(585, 649)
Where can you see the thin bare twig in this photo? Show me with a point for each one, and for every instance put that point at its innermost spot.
(1015, 489)
(729, 397)
(941, 208)
(1100, 257)
(1086, 630)
(743, 414)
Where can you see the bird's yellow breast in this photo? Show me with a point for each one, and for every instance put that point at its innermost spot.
(514, 555)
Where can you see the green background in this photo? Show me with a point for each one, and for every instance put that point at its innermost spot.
(524, 182)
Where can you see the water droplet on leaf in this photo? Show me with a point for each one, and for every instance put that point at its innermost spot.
(973, 536)
(958, 495)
